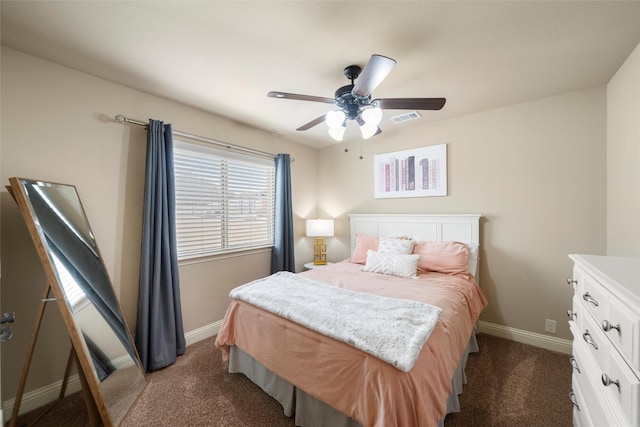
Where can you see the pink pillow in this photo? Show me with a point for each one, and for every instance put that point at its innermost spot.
(443, 257)
(364, 242)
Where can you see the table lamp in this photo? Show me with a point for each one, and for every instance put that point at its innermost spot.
(319, 228)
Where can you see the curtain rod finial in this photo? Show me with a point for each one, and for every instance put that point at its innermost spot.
(120, 118)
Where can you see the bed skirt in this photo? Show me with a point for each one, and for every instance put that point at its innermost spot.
(311, 412)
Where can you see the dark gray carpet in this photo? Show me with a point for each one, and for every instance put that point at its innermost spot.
(509, 384)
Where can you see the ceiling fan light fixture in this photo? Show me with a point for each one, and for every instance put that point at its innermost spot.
(369, 120)
(372, 116)
(335, 119)
(368, 130)
(337, 133)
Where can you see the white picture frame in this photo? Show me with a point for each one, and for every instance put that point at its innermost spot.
(418, 172)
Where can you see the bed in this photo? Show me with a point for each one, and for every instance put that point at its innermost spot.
(331, 381)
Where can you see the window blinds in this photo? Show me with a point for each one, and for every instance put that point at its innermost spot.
(224, 200)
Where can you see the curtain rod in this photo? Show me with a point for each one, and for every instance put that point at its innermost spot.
(122, 119)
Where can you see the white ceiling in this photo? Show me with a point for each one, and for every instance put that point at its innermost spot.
(224, 56)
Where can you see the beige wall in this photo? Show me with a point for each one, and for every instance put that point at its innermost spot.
(623, 159)
(535, 171)
(57, 126)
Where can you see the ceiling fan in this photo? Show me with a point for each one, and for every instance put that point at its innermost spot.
(355, 103)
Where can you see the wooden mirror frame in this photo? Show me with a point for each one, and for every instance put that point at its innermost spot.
(98, 408)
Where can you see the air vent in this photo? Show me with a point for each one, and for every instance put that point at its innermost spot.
(405, 117)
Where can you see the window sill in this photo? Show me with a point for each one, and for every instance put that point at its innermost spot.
(225, 255)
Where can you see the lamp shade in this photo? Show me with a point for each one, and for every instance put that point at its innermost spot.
(320, 227)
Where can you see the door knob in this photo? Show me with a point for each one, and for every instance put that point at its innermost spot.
(5, 326)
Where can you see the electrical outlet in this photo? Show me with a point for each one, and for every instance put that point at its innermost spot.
(550, 326)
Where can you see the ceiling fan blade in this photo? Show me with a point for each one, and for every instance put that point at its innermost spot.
(409, 103)
(312, 123)
(285, 95)
(374, 72)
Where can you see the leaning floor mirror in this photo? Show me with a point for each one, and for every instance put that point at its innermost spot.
(76, 273)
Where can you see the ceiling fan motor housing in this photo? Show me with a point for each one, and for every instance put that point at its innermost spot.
(349, 103)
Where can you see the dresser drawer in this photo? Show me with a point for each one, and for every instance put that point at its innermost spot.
(591, 336)
(608, 389)
(605, 324)
(618, 380)
(622, 327)
(587, 405)
(620, 324)
(594, 297)
(581, 416)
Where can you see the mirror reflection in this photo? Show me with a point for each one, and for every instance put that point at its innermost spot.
(74, 256)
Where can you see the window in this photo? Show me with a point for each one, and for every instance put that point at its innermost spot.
(224, 200)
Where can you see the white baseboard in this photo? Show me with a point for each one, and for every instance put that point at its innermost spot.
(40, 397)
(202, 333)
(537, 340)
(43, 395)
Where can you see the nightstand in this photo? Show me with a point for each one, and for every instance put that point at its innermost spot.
(311, 265)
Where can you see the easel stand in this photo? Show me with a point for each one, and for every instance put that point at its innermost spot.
(94, 417)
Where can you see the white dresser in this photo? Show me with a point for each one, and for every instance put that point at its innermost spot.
(605, 323)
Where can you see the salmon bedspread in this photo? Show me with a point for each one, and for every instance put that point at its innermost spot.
(391, 329)
(365, 388)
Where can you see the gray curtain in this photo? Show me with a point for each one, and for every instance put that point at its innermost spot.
(159, 331)
(282, 257)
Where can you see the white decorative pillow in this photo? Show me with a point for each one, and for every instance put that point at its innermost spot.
(400, 265)
(388, 245)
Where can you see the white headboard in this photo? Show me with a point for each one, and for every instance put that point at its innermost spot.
(428, 227)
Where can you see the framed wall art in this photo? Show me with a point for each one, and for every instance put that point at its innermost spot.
(419, 172)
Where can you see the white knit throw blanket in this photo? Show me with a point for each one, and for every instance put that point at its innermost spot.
(393, 330)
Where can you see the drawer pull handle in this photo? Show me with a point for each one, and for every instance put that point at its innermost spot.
(608, 381)
(572, 398)
(572, 314)
(571, 282)
(574, 364)
(606, 326)
(587, 337)
(589, 298)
